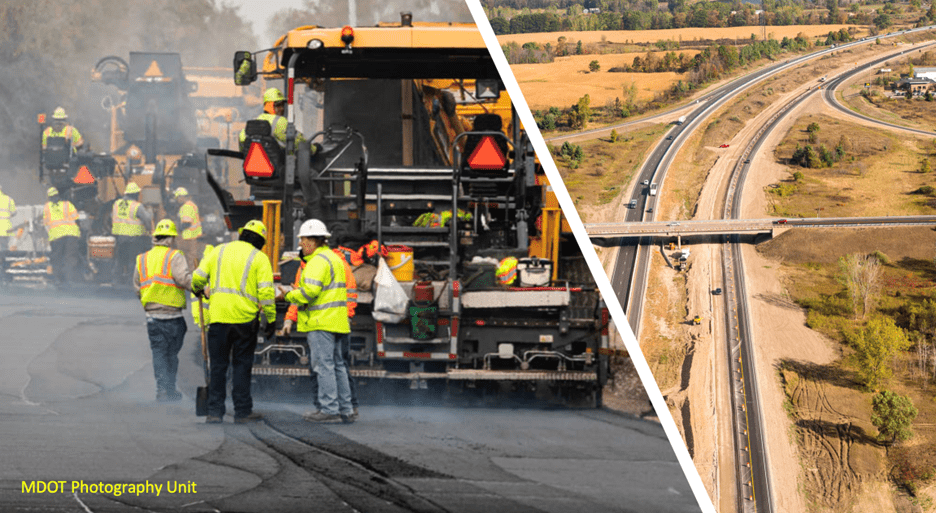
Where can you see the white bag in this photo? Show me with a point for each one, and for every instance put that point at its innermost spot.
(390, 300)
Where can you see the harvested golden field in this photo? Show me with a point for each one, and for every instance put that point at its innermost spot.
(563, 82)
(683, 34)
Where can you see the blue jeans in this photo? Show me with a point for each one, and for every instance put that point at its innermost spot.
(166, 336)
(227, 344)
(344, 340)
(334, 392)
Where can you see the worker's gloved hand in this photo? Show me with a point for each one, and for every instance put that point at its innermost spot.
(200, 293)
(269, 331)
(315, 149)
(287, 327)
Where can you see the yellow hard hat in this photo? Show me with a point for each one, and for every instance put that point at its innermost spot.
(59, 113)
(165, 228)
(52, 192)
(180, 191)
(273, 95)
(132, 188)
(256, 227)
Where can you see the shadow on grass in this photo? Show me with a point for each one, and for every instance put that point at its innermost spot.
(842, 431)
(831, 374)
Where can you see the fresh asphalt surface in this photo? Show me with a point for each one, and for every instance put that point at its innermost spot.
(77, 404)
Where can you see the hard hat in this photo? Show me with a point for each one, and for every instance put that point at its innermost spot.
(132, 188)
(313, 228)
(52, 192)
(256, 227)
(59, 113)
(165, 227)
(273, 95)
(180, 191)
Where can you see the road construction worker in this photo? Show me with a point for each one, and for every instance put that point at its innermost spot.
(7, 211)
(323, 315)
(239, 279)
(274, 107)
(130, 224)
(190, 223)
(61, 221)
(61, 128)
(343, 339)
(196, 309)
(161, 279)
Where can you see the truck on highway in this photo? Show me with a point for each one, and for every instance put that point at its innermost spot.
(410, 120)
(681, 120)
(653, 189)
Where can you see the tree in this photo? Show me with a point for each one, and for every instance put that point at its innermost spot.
(875, 345)
(798, 176)
(614, 135)
(892, 416)
(861, 275)
(581, 112)
(925, 166)
(593, 66)
(813, 127)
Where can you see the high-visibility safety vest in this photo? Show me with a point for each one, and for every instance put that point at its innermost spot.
(70, 133)
(350, 286)
(322, 297)
(125, 219)
(507, 271)
(240, 280)
(188, 213)
(60, 219)
(278, 125)
(156, 283)
(7, 209)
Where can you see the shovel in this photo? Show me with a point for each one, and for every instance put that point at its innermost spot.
(201, 395)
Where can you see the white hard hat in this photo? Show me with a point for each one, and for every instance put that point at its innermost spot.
(313, 228)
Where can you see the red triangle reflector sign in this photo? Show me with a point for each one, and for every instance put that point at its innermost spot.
(257, 164)
(84, 176)
(487, 156)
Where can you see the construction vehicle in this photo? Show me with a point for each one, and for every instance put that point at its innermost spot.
(697, 320)
(409, 119)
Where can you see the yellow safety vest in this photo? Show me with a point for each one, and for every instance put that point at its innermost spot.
(70, 133)
(125, 220)
(156, 284)
(60, 220)
(188, 213)
(507, 271)
(278, 126)
(322, 296)
(241, 282)
(7, 207)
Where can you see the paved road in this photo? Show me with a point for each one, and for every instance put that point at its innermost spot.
(77, 404)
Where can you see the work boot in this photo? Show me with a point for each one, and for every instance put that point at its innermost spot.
(323, 418)
(253, 417)
(354, 415)
(211, 419)
(162, 396)
(173, 395)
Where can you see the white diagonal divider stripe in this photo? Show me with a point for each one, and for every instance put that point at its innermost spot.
(591, 258)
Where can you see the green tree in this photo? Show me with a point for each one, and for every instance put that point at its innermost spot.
(875, 345)
(614, 136)
(578, 48)
(593, 66)
(798, 176)
(813, 128)
(882, 21)
(925, 166)
(892, 416)
(581, 112)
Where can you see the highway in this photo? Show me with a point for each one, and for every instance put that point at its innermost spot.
(77, 403)
(743, 226)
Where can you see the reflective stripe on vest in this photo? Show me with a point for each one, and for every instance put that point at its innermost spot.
(328, 310)
(240, 280)
(60, 220)
(156, 284)
(188, 213)
(125, 220)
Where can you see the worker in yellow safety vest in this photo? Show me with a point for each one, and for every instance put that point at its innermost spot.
(343, 339)
(190, 223)
(61, 128)
(239, 279)
(274, 107)
(7, 211)
(60, 218)
(323, 315)
(507, 271)
(161, 278)
(130, 224)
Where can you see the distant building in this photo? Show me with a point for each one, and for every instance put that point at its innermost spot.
(922, 72)
(884, 70)
(591, 10)
(916, 86)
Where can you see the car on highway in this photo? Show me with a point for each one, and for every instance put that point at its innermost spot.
(717, 291)
(669, 137)
(646, 182)
(724, 145)
(649, 210)
(632, 204)
(780, 221)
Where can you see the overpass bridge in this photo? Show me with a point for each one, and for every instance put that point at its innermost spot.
(773, 226)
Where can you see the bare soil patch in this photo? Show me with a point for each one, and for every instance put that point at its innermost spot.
(826, 245)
